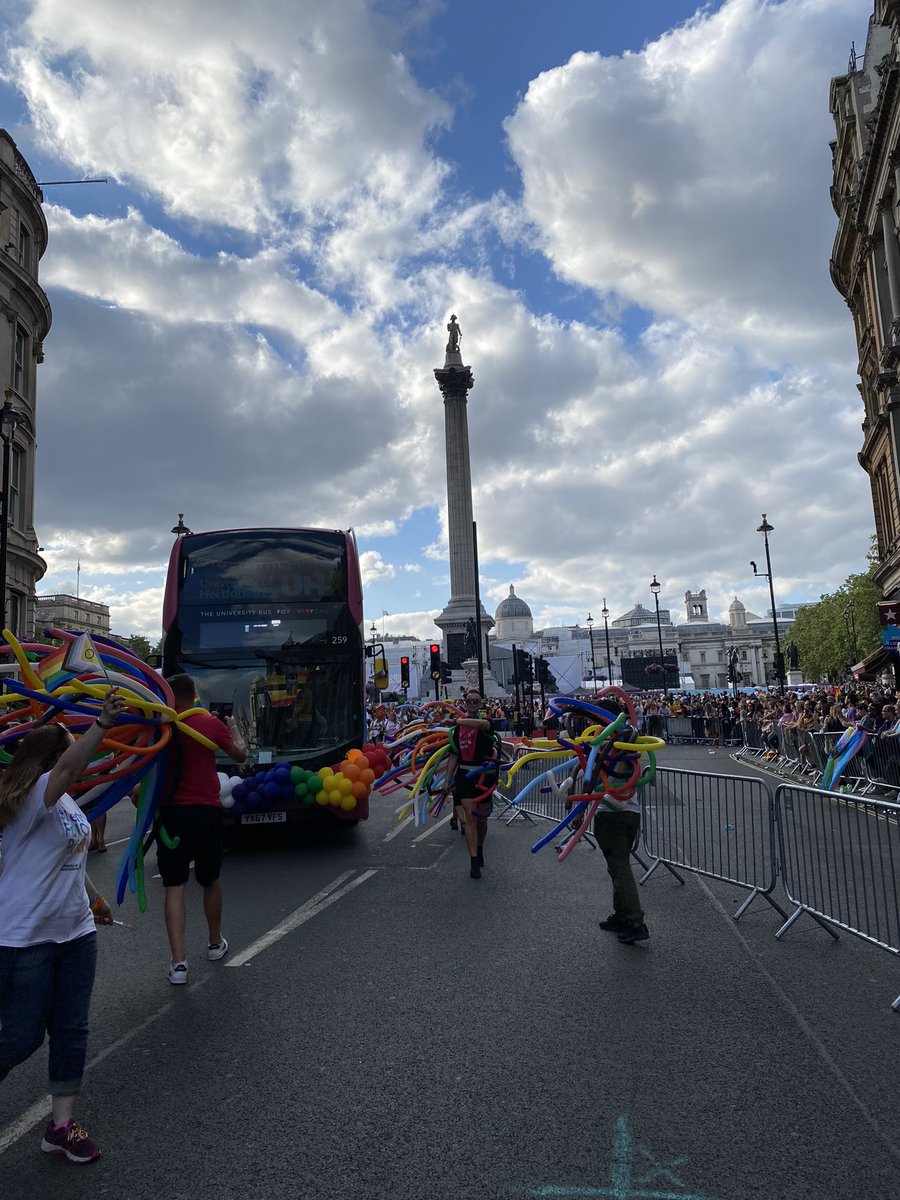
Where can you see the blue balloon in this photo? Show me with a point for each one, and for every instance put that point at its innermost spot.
(272, 790)
(239, 791)
(253, 799)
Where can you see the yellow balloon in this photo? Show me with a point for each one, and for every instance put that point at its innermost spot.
(322, 797)
(335, 798)
(345, 785)
(348, 802)
(325, 772)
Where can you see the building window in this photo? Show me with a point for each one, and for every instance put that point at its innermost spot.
(24, 247)
(14, 607)
(743, 656)
(21, 348)
(703, 656)
(15, 487)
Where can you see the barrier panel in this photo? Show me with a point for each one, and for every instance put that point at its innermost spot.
(527, 792)
(840, 859)
(699, 730)
(722, 826)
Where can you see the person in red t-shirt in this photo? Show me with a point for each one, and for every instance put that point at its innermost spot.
(192, 813)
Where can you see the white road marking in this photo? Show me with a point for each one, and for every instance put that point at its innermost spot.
(40, 1110)
(304, 913)
(403, 824)
(431, 828)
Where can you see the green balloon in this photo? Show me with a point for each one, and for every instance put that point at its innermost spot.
(309, 798)
(300, 789)
(297, 774)
(314, 784)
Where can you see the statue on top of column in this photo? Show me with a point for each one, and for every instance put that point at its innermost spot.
(455, 335)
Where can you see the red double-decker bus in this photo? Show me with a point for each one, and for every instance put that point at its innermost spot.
(269, 622)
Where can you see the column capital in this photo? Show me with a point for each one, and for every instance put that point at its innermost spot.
(454, 381)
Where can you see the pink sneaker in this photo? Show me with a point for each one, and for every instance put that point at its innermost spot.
(70, 1141)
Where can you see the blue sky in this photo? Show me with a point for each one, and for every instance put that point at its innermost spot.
(625, 204)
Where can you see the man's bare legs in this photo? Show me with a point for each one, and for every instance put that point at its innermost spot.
(212, 907)
(174, 913)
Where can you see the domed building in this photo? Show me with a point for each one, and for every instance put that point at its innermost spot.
(514, 622)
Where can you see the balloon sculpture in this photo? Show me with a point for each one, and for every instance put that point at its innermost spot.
(67, 683)
(605, 762)
(419, 762)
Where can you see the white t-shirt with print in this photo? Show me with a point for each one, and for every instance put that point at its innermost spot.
(42, 892)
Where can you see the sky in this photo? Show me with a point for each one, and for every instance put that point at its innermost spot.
(626, 205)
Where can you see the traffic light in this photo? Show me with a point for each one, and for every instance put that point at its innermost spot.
(435, 652)
(404, 674)
(446, 673)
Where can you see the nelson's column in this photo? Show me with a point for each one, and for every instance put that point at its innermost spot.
(457, 621)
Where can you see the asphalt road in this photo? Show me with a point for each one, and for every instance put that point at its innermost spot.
(395, 1029)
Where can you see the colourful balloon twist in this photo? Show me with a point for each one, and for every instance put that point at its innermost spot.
(135, 752)
(606, 758)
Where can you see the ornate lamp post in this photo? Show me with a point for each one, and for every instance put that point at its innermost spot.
(765, 529)
(850, 621)
(590, 624)
(9, 419)
(181, 530)
(604, 613)
(654, 588)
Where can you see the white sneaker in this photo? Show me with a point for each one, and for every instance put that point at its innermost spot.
(178, 972)
(216, 950)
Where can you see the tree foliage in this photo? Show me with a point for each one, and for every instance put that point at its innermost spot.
(824, 632)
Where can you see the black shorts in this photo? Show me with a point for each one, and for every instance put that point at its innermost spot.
(201, 836)
(468, 788)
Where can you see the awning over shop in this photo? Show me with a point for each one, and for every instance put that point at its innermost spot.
(880, 660)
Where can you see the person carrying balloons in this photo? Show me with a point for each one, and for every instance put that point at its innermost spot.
(190, 825)
(48, 912)
(472, 746)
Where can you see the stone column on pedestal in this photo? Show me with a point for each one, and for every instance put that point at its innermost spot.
(455, 380)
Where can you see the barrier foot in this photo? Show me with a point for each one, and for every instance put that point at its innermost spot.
(765, 895)
(635, 855)
(896, 1005)
(657, 862)
(795, 915)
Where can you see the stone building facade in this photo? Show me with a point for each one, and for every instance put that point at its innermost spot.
(23, 304)
(71, 612)
(865, 261)
(702, 648)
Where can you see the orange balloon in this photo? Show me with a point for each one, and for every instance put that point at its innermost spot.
(357, 756)
(367, 776)
(343, 764)
(351, 772)
(360, 790)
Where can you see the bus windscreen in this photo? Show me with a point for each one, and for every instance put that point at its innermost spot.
(265, 567)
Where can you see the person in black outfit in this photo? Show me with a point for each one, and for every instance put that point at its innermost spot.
(472, 744)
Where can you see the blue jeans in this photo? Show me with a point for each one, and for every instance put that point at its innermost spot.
(46, 989)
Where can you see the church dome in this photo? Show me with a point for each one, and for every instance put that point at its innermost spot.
(736, 606)
(512, 607)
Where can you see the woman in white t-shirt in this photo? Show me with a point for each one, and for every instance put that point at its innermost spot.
(48, 911)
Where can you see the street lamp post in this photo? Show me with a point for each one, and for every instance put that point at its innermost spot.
(9, 419)
(654, 588)
(604, 613)
(850, 621)
(765, 529)
(590, 624)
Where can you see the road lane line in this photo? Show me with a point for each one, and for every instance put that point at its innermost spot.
(403, 824)
(39, 1111)
(431, 828)
(304, 913)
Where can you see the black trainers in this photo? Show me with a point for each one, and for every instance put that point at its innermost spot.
(614, 924)
(479, 857)
(454, 824)
(634, 933)
(475, 869)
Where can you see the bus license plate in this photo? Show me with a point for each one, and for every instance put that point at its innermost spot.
(270, 818)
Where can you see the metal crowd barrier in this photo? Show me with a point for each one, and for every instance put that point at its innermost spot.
(840, 862)
(540, 802)
(699, 730)
(721, 826)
